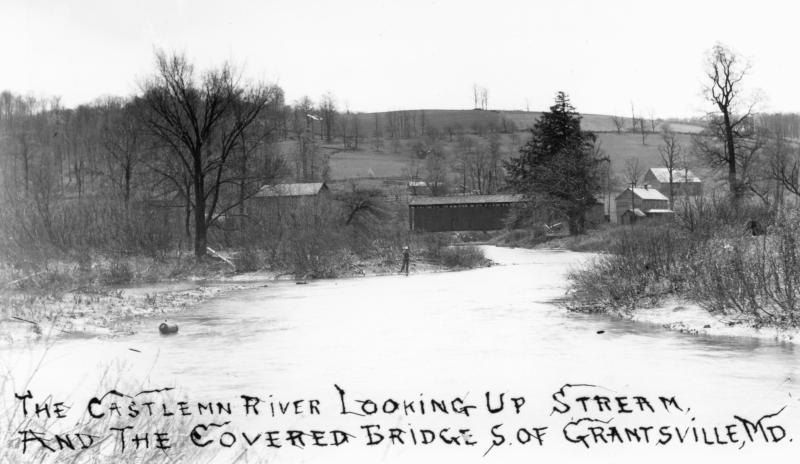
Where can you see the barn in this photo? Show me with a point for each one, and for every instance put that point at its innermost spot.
(279, 199)
(467, 212)
(646, 200)
(684, 182)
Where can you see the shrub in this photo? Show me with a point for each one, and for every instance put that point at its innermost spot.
(462, 256)
(118, 273)
(708, 255)
(248, 260)
(432, 245)
(645, 262)
(759, 276)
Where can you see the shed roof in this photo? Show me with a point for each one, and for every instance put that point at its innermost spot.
(465, 199)
(644, 194)
(659, 211)
(292, 190)
(678, 175)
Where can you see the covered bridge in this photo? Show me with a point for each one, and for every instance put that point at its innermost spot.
(467, 212)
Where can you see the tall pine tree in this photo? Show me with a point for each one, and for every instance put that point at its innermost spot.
(559, 168)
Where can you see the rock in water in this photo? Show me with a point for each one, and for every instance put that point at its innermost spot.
(168, 329)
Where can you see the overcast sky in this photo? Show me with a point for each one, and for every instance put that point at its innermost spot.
(375, 55)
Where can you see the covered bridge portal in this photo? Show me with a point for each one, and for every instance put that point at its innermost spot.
(468, 212)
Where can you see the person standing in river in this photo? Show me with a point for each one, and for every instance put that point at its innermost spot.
(406, 260)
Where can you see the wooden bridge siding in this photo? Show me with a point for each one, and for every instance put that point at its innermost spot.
(470, 216)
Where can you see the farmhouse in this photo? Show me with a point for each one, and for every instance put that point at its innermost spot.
(648, 201)
(684, 182)
(467, 212)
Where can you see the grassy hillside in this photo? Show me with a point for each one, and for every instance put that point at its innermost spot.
(369, 162)
(470, 120)
(382, 158)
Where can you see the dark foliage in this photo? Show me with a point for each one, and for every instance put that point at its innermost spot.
(560, 166)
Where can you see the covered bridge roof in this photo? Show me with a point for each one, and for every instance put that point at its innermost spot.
(465, 199)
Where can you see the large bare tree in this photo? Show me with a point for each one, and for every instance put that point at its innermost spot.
(202, 119)
(731, 120)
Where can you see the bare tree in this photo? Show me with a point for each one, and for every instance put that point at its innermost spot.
(377, 134)
(653, 122)
(632, 172)
(643, 131)
(356, 130)
(784, 164)
(436, 179)
(670, 152)
(466, 145)
(124, 142)
(726, 71)
(327, 110)
(364, 207)
(202, 121)
(619, 123)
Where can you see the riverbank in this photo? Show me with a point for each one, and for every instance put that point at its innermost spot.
(41, 314)
(691, 318)
(712, 276)
(99, 312)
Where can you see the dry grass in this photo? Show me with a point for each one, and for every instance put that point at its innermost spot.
(719, 265)
(105, 448)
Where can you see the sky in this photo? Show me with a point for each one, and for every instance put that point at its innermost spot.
(379, 55)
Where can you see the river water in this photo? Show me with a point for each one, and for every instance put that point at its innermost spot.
(440, 335)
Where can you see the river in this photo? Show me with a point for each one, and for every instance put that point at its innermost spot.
(464, 333)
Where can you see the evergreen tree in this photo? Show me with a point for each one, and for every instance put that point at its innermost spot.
(559, 168)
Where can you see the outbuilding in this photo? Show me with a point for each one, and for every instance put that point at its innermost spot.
(684, 182)
(645, 199)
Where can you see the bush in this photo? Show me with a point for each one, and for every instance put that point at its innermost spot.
(462, 256)
(712, 259)
(644, 263)
(248, 260)
(118, 273)
(759, 276)
(432, 245)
